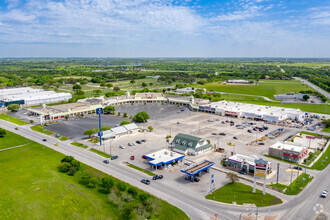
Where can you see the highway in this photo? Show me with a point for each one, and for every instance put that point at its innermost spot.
(196, 207)
(323, 92)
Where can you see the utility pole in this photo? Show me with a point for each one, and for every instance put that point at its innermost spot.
(291, 174)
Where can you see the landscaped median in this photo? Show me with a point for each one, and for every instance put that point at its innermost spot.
(296, 186)
(100, 153)
(242, 194)
(12, 119)
(41, 129)
(77, 144)
(142, 170)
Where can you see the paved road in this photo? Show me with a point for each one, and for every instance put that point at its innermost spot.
(325, 93)
(197, 208)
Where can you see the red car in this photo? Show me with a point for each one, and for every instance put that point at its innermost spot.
(132, 157)
(144, 157)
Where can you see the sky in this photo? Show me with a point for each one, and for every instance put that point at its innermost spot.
(165, 28)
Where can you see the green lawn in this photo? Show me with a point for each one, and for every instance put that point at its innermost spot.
(142, 170)
(10, 140)
(298, 185)
(279, 186)
(322, 162)
(32, 188)
(326, 129)
(79, 145)
(100, 153)
(41, 129)
(12, 119)
(241, 193)
(267, 88)
(63, 138)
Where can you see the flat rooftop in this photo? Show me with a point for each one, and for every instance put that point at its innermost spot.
(288, 146)
(196, 168)
(163, 157)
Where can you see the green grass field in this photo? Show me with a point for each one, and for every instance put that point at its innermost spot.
(323, 161)
(279, 186)
(142, 170)
(298, 185)
(241, 193)
(41, 129)
(100, 153)
(63, 138)
(10, 140)
(267, 88)
(79, 145)
(32, 188)
(12, 119)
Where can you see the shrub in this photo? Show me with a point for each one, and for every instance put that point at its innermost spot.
(121, 186)
(72, 170)
(85, 178)
(150, 128)
(232, 177)
(64, 167)
(124, 123)
(2, 132)
(107, 183)
(67, 159)
(132, 191)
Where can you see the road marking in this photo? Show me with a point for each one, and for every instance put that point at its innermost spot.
(14, 147)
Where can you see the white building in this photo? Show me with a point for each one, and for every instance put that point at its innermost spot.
(289, 96)
(188, 90)
(288, 151)
(32, 96)
(238, 81)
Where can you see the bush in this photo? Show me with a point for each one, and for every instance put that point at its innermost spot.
(67, 159)
(143, 197)
(13, 107)
(125, 115)
(2, 132)
(107, 183)
(116, 88)
(150, 128)
(132, 191)
(232, 177)
(141, 117)
(109, 109)
(72, 171)
(85, 179)
(121, 186)
(124, 123)
(105, 128)
(64, 167)
(75, 164)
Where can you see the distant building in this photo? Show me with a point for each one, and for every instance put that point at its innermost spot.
(238, 81)
(289, 96)
(119, 131)
(191, 145)
(288, 151)
(30, 96)
(153, 77)
(188, 90)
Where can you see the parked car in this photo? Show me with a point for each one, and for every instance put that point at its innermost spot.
(182, 110)
(187, 163)
(324, 194)
(114, 157)
(223, 134)
(138, 142)
(249, 131)
(157, 177)
(297, 168)
(144, 156)
(121, 146)
(261, 143)
(131, 144)
(214, 133)
(223, 122)
(44, 140)
(196, 179)
(16, 128)
(242, 172)
(145, 181)
(132, 157)
(235, 137)
(106, 161)
(232, 124)
(178, 122)
(217, 119)
(56, 144)
(143, 140)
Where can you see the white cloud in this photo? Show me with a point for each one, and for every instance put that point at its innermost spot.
(17, 15)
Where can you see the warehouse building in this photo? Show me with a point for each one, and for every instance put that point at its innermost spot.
(29, 96)
(164, 159)
(289, 96)
(289, 151)
(242, 162)
(119, 131)
(238, 81)
(189, 145)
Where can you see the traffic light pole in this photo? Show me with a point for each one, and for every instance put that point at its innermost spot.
(100, 130)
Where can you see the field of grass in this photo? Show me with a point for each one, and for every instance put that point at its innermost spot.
(323, 161)
(100, 153)
(267, 88)
(241, 193)
(79, 145)
(10, 140)
(34, 189)
(12, 119)
(298, 185)
(41, 129)
(142, 170)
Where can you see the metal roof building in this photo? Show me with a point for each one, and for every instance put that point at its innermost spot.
(187, 144)
(163, 158)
